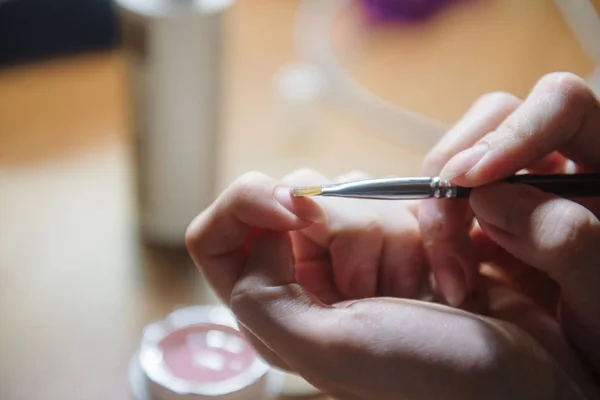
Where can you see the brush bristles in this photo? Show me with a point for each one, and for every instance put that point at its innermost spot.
(307, 191)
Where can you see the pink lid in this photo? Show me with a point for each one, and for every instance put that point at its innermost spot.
(198, 352)
(206, 353)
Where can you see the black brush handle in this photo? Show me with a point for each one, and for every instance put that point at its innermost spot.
(563, 185)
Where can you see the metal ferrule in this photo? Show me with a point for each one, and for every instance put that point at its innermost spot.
(393, 189)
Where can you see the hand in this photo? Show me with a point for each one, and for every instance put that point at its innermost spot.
(555, 130)
(343, 249)
(303, 277)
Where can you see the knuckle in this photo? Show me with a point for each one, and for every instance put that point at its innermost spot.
(365, 222)
(511, 131)
(244, 188)
(242, 301)
(237, 195)
(249, 297)
(561, 82)
(249, 179)
(570, 87)
(193, 232)
(373, 227)
(307, 173)
(564, 90)
(196, 233)
(498, 99)
(563, 232)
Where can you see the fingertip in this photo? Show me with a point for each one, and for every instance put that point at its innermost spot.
(252, 199)
(462, 169)
(302, 207)
(247, 203)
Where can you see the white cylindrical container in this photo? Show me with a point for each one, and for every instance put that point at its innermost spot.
(173, 49)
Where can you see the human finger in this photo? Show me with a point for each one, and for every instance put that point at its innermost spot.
(444, 224)
(334, 348)
(560, 114)
(351, 235)
(218, 236)
(313, 263)
(402, 265)
(503, 267)
(556, 236)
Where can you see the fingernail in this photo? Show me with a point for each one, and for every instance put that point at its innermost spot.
(304, 208)
(451, 283)
(464, 162)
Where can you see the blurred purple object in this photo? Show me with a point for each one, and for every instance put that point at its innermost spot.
(402, 10)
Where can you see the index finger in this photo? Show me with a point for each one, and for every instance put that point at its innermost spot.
(217, 238)
(560, 114)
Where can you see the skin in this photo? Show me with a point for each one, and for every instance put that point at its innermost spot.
(330, 288)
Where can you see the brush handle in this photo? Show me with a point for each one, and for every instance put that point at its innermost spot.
(569, 186)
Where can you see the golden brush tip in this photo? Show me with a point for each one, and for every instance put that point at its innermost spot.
(307, 191)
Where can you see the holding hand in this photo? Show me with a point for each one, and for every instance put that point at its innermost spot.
(327, 287)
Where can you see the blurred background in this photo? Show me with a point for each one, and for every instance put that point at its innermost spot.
(121, 120)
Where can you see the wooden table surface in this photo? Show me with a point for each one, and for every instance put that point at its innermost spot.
(76, 286)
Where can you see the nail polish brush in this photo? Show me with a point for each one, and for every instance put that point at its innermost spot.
(564, 185)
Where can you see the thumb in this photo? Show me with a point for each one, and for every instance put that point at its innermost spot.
(288, 320)
(556, 236)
